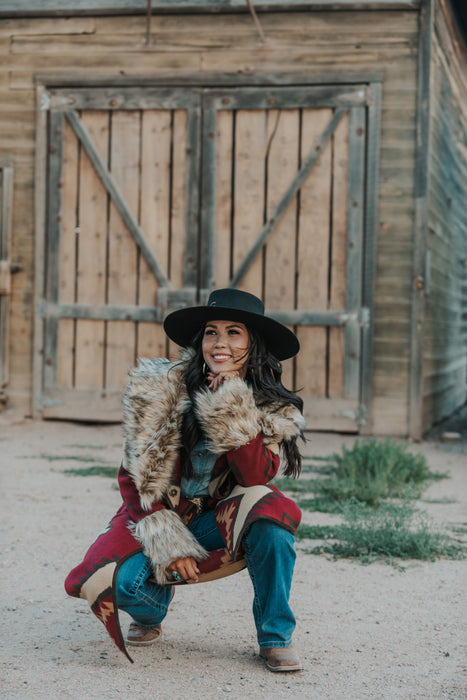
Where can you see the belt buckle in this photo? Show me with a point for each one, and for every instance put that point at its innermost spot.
(198, 502)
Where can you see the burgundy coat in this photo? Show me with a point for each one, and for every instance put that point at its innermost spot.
(246, 439)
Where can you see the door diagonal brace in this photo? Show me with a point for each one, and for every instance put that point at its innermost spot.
(297, 182)
(117, 197)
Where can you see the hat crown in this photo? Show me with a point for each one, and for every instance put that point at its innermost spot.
(236, 300)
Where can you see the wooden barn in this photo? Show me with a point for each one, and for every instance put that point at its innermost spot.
(313, 152)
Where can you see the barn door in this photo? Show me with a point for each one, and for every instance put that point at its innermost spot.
(286, 199)
(121, 245)
(156, 196)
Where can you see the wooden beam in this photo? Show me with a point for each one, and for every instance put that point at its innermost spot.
(52, 248)
(6, 211)
(420, 230)
(117, 197)
(40, 193)
(204, 80)
(355, 247)
(101, 312)
(290, 193)
(369, 260)
(127, 312)
(320, 318)
(57, 8)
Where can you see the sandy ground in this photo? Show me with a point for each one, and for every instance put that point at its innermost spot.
(363, 631)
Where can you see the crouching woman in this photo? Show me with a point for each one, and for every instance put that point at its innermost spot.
(203, 439)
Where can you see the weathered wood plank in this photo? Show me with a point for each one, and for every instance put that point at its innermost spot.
(248, 197)
(179, 215)
(390, 416)
(53, 242)
(91, 228)
(223, 203)
(338, 415)
(338, 277)
(283, 131)
(292, 97)
(192, 167)
(126, 312)
(122, 252)
(56, 7)
(208, 196)
(36, 202)
(355, 249)
(156, 163)
(67, 259)
(369, 257)
(6, 217)
(101, 312)
(313, 255)
(42, 26)
(420, 221)
(192, 78)
(118, 98)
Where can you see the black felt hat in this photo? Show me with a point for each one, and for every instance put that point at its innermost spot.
(232, 305)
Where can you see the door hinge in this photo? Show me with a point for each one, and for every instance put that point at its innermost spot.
(361, 317)
(359, 415)
(6, 270)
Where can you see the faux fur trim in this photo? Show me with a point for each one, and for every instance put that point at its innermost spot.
(284, 424)
(152, 414)
(164, 539)
(229, 416)
(154, 403)
(231, 419)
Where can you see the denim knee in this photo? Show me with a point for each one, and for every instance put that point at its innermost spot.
(268, 534)
(130, 579)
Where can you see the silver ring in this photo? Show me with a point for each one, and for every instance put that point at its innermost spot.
(176, 576)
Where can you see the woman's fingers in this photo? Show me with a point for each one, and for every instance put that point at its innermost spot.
(186, 568)
(215, 380)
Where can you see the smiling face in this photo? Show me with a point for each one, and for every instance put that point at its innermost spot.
(225, 346)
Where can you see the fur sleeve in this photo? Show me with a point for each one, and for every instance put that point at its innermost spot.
(229, 416)
(231, 419)
(164, 539)
(285, 424)
(153, 404)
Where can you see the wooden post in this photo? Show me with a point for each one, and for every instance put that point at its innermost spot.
(6, 197)
(420, 230)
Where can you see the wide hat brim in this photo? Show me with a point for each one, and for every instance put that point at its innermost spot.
(181, 326)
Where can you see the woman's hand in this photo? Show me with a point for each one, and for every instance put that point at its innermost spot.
(215, 380)
(186, 568)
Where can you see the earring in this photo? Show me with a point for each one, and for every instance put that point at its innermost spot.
(205, 367)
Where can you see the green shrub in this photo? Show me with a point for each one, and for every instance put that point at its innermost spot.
(390, 531)
(95, 470)
(371, 471)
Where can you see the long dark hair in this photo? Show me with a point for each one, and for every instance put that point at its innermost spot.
(264, 375)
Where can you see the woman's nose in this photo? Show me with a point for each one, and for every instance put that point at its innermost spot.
(220, 340)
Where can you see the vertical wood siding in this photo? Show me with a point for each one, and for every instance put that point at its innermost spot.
(311, 45)
(445, 355)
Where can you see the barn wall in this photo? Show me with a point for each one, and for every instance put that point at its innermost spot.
(445, 355)
(310, 45)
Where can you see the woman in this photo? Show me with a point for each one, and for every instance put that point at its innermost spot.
(202, 442)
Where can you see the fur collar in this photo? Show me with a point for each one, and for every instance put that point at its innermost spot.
(154, 402)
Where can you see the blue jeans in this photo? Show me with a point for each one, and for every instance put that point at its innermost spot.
(270, 558)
